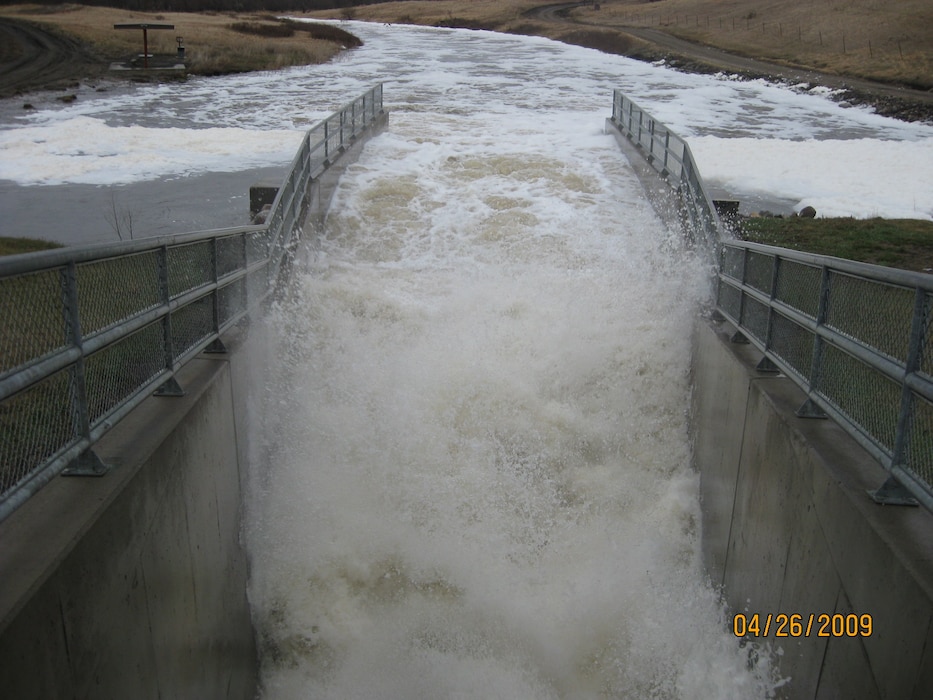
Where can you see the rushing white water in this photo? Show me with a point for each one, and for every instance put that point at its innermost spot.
(475, 475)
(479, 482)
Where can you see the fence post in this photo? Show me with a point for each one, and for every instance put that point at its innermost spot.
(87, 463)
(326, 142)
(651, 141)
(171, 387)
(914, 358)
(667, 151)
(809, 408)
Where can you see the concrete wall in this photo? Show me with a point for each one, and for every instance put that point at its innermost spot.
(133, 585)
(788, 528)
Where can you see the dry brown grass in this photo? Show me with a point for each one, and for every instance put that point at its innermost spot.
(492, 14)
(877, 39)
(211, 45)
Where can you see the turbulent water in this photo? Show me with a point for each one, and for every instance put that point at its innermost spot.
(470, 472)
(473, 478)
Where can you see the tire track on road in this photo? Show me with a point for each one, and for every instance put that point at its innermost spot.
(33, 58)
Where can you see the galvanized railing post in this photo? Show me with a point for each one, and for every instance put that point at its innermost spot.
(170, 386)
(326, 141)
(892, 492)
(87, 463)
(651, 140)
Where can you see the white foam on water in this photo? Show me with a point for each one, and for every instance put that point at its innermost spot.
(255, 120)
(89, 151)
(475, 479)
(835, 177)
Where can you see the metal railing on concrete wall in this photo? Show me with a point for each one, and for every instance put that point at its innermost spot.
(89, 332)
(670, 156)
(856, 338)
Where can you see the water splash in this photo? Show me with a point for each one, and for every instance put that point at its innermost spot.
(476, 480)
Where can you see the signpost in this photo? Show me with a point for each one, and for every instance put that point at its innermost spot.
(145, 28)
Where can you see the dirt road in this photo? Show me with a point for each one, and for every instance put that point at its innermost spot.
(31, 57)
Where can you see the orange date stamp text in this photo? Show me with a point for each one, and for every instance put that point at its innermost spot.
(805, 625)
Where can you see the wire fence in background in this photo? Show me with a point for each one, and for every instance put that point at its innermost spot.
(89, 332)
(856, 338)
(815, 38)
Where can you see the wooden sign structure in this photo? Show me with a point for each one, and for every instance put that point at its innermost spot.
(145, 28)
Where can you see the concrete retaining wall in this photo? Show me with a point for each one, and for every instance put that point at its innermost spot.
(133, 585)
(788, 528)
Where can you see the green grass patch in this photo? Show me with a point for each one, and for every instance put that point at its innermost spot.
(14, 246)
(901, 243)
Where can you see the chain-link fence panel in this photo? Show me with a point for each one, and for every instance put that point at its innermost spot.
(755, 318)
(35, 425)
(190, 267)
(919, 453)
(31, 317)
(868, 398)
(873, 313)
(99, 307)
(231, 255)
(231, 302)
(759, 270)
(794, 344)
(192, 324)
(114, 374)
(798, 286)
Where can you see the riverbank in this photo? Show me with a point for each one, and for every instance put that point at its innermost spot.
(869, 54)
(54, 47)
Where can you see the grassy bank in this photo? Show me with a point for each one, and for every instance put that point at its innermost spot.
(885, 41)
(14, 246)
(215, 42)
(902, 243)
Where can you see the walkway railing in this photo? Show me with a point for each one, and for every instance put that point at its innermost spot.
(89, 332)
(856, 338)
(670, 156)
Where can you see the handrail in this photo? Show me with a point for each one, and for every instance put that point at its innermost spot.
(89, 332)
(855, 337)
(671, 157)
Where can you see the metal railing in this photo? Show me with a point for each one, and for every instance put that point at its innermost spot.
(670, 156)
(856, 338)
(89, 332)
